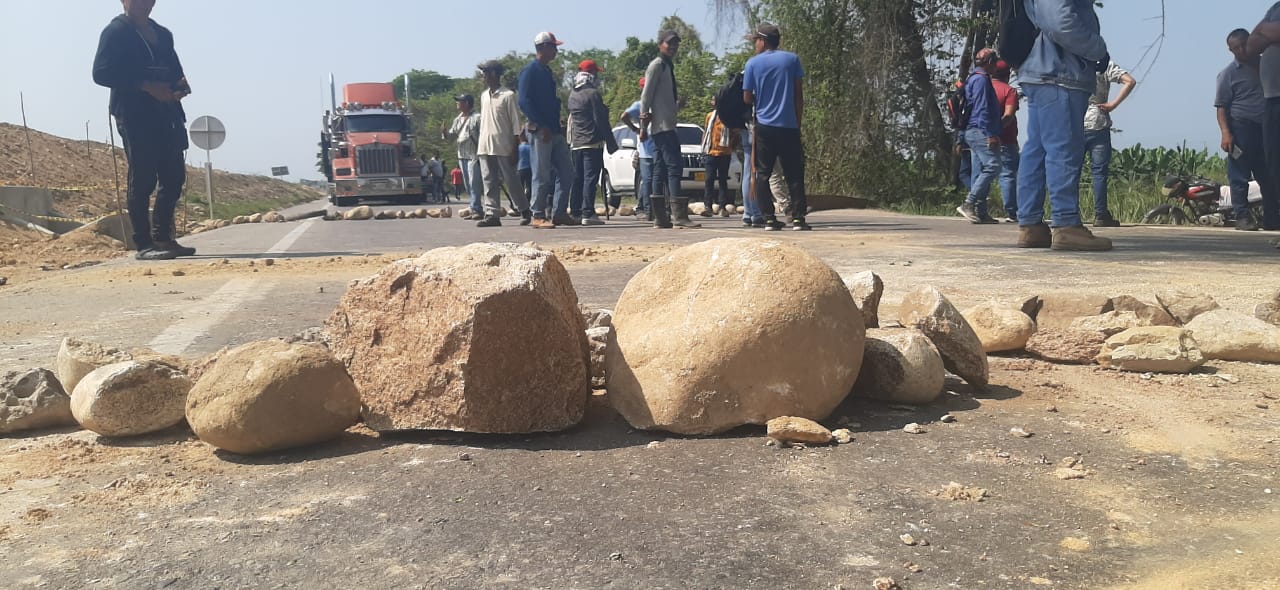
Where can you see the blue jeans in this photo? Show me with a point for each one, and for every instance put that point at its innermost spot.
(965, 176)
(1009, 157)
(587, 164)
(986, 165)
(668, 162)
(1053, 155)
(549, 156)
(473, 181)
(646, 183)
(750, 208)
(1098, 145)
(1252, 165)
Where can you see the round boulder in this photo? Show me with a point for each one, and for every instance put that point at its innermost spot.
(730, 332)
(900, 366)
(77, 358)
(130, 398)
(1001, 329)
(271, 395)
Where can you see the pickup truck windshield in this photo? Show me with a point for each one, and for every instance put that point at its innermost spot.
(375, 124)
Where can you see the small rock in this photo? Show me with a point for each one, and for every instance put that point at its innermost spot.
(655, 444)
(179, 273)
(913, 568)
(843, 436)
(955, 491)
(1020, 433)
(4, 281)
(269, 262)
(885, 584)
(1262, 406)
(615, 556)
(798, 430)
(1076, 544)
(1070, 473)
(947, 419)
(464, 456)
(908, 540)
(1068, 462)
(867, 288)
(913, 428)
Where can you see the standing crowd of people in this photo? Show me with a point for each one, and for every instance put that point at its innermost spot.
(551, 168)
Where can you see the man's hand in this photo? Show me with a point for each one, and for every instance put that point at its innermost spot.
(644, 134)
(184, 89)
(993, 142)
(1228, 142)
(1107, 107)
(160, 91)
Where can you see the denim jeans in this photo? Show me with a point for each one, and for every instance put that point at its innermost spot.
(154, 155)
(548, 157)
(750, 208)
(1252, 165)
(587, 164)
(646, 183)
(1098, 145)
(473, 181)
(1053, 155)
(986, 165)
(1271, 141)
(668, 162)
(1009, 157)
(965, 175)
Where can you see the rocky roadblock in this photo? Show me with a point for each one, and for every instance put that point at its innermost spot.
(1061, 457)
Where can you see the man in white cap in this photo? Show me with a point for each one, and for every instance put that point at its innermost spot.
(541, 104)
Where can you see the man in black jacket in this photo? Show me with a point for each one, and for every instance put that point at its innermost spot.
(589, 135)
(137, 61)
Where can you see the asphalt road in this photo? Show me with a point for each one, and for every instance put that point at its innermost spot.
(598, 506)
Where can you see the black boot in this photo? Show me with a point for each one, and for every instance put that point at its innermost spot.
(661, 217)
(682, 215)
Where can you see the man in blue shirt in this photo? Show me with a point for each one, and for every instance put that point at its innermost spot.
(541, 104)
(631, 118)
(773, 82)
(982, 135)
(1058, 76)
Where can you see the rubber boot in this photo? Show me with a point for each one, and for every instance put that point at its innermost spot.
(661, 216)
(681, 215)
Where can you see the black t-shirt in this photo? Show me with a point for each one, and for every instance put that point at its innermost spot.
(125, 60)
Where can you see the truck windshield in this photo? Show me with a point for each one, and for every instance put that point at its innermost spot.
(375, 124)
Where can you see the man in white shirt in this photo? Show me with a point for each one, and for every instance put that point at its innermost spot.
(498, 148)
(1097, 136)
(465, 131)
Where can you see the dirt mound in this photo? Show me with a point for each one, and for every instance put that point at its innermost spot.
(82, 174)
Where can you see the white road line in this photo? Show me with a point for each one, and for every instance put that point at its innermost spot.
(287, 241)
(180, 335)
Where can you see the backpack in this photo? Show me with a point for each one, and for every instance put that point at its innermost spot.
(958, 109)
(730, 107)
(1018, 34)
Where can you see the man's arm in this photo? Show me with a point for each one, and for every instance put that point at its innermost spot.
(647, 95)
(1129, 84)
(1264, 36)
(1063, 24)
(629, 122)
(1224, 123)
(800, 100)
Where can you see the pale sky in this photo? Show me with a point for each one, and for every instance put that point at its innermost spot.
(261, 65)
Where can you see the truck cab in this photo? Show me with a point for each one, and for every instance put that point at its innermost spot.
(367, 148)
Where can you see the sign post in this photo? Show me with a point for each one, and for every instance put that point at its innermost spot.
(208, 133)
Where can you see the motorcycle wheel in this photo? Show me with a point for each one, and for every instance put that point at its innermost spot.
(1166, 215)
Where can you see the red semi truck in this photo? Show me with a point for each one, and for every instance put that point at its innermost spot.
(367, 147)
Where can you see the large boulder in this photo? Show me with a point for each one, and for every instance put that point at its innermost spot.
(1109, 324)
(1148, 314)
(480, 338)
(31, 400)
(77, 358)
(1066, 346)
(130, 398)
(1153, 349)
(360, 213)
(900, 366)
(1000, 328)
(272, 395)
(730, 332)
(1231, 336)
(927, 310)
(867, 288)
(1184, 306)
(1058, 310)
(1269, 311)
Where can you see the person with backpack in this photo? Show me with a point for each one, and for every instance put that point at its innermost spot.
(1058, 50)
(465, 131)
(983, 128)
(717, 154)
(773, 83)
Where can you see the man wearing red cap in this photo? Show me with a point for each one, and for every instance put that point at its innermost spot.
(589, 135)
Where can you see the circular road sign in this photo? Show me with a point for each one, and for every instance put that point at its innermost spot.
(208, 133)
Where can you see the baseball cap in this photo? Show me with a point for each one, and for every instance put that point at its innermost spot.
(765, 31)
(492, 64)
(668, 35)
(467, 98)
(589, 65)
(545, 37)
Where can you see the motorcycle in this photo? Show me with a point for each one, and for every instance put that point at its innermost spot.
(1200, 201)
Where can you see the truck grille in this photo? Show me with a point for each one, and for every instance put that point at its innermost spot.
(376, 159)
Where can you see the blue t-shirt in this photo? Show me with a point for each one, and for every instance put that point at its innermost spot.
(525, 151)
(647, 147)
(772, 76)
